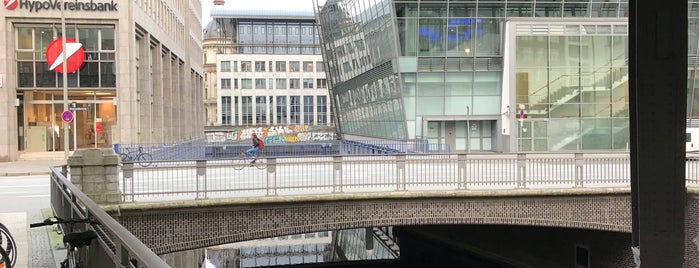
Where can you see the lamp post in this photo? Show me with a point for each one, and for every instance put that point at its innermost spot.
(66, 139)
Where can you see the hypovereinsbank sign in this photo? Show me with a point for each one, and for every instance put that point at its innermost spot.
(75, 5)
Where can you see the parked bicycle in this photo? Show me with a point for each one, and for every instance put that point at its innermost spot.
(143, 159)
(243, 160)
(74, 241)
(8, 248)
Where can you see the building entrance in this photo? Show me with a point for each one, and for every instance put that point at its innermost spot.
(462, 135)
(93, 125)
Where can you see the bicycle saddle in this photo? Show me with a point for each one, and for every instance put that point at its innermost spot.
(79, 239)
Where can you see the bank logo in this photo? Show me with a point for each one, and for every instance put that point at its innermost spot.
(11, 4)
(74, 54)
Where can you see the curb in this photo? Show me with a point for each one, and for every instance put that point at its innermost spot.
(15, 174)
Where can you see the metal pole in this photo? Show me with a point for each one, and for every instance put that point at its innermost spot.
(468, 129)
(66, 139)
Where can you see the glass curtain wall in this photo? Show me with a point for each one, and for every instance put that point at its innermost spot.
(572, 87)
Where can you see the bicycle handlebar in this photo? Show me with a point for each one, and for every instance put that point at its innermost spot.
(59, 220)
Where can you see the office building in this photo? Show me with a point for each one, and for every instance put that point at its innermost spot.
(140, 80)
(503, 76)
(264, 72)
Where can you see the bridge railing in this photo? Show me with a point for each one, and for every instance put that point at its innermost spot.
(202, 179)
(115, 241)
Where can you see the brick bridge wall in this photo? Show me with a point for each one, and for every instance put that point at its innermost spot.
(182, 225)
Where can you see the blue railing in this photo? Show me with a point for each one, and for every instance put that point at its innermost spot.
(200, 149)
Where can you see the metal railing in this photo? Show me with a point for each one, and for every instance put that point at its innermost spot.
(205, 179)
(122, 247)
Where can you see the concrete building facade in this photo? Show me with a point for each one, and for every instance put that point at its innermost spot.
(141, 80)
(264, 69)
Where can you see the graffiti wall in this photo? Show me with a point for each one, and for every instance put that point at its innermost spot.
(274, 134)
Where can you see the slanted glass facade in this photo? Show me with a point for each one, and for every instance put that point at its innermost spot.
(481, 75)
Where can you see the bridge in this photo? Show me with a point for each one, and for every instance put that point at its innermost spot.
(174, 206)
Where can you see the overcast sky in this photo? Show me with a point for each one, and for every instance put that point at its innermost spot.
(206, 6)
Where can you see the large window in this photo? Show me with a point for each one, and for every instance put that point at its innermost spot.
(322, 109)
(280, 66)
(226, 110)
(225, 83)
(294, 83)
(308, 110)
(98, 71)
(260, 83)
(259, 66)
(308, 83)
(246, 110)
(225, 66)
(308, 66)
(294, 109)
(261, 110)
(281, 110)
(294, 66)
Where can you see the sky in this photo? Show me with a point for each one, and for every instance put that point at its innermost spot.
(206, 6)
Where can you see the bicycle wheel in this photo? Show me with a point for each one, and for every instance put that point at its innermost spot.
(240, 162)
(124, 157)
(260, 163)
(5, 262)
(8, 244)
(144, 159)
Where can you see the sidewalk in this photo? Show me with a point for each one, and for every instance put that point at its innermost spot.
(32, 164)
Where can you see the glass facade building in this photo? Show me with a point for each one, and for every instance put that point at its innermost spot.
(481, 75)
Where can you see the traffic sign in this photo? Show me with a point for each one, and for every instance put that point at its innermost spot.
(67, 116)
(74, 53)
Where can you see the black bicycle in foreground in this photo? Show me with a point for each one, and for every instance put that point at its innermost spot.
(74, 241)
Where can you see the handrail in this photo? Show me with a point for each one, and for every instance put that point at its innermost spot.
(131, 246)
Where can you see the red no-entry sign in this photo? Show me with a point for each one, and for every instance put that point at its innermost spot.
(75, 55)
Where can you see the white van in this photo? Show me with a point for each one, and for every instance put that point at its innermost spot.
(692, 140)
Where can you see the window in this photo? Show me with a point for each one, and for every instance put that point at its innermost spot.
(281, 83)
(294, 66)
(246, 110)
(235, 83)
(320, 66)
(226, 110)
(246, 66)
(261, 110)
(294, 83)
(308, 83)
(322, 109)
(246, 83)
(260, 83)
(308, 66)
(259, 66)
(235, 66)
(225, 66)
(225, 83)
(321, 83)
(308, 110)
(281, 110)
(281, 66)
(294, 109)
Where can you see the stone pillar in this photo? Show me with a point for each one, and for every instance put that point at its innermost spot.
(95, 172)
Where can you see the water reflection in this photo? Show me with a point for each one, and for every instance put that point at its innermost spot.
(330, 246)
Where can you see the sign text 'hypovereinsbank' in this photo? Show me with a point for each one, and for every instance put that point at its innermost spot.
(36, 6)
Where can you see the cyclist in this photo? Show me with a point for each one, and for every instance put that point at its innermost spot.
(256, 147)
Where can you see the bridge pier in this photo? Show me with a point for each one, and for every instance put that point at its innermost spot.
(95, 172)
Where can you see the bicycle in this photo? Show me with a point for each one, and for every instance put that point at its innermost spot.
(143, 159)
(8, 247)
(74, 240)
(243, 160)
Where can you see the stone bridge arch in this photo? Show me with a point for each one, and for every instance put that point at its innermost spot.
(184, 225)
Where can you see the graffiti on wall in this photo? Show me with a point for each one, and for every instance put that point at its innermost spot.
(275, 134)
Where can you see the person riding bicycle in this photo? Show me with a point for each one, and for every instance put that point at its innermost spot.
(255, 147)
